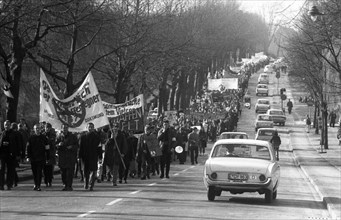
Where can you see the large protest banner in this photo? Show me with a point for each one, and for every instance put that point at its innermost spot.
(81, 108)
(226, 83)
(129, 114)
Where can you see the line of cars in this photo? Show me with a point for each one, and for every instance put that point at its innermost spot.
(237, 164)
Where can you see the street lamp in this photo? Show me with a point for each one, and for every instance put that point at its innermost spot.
(314, 14)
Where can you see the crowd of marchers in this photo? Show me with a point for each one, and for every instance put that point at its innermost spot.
(104, 154)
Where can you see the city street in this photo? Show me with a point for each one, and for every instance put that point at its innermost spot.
(183, 196)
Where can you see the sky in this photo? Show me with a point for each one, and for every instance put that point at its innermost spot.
(285, 10)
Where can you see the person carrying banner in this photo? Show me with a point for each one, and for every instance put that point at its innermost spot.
(90, 152)
(115, 149)
(67, 145)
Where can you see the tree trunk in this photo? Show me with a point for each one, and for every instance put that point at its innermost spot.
(180, 92)
(172, 93)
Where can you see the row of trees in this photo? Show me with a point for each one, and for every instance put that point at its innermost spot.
(313, 53)
(161, 48)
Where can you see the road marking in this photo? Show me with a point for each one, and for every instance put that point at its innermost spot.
(152, 184)
(135, 192)
(113, 202)
(85, 214)
(175, 174)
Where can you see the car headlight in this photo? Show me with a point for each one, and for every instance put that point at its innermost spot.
(214, 176)
(262, 177)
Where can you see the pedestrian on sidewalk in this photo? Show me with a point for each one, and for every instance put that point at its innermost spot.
(290, 106)
(332, 118)
(67, 145)
(90, 151)
(38, 152)
(276, 142)
(51, 135)
(308, 124)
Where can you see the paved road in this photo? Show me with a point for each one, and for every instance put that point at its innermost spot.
(183, 196)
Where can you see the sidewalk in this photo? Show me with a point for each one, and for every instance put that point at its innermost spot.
(322, 169)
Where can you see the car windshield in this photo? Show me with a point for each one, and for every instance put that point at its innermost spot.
(233, 136)
(265, 102)
(262, 86)
(242, 150)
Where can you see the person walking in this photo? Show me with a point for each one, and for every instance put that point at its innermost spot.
(276, 142)
(115, 149)
(67, 146)
(9, 154)
(51, 135)
(308, 124)
(166, 137)
(90, 151)
(21, 148)
(290, 106)
(203, 141)
(332, 118)
(143, 152)
(193, 145)
(38, 152)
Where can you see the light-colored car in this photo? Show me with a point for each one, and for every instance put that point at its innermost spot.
(265, 134)
(262, 89)
(277, 116)
(262, 105)
(263, 121)
(269, 69)
(233, 135)
(242, 165)
(263, 78)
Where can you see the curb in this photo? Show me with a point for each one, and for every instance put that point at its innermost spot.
(326, 201)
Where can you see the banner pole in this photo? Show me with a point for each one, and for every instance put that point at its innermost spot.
(118, 149)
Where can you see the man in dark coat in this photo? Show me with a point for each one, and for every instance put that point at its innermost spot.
(115, 149)
(129, 156)
(89, 152)
(51, 135)
(38, 150)
(9, 154)
(67, 145)
(167, 137)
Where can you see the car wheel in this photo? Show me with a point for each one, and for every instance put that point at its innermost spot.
(218, 192)
(267, 94)
(283, 123)
(255, 129)
(211, 193)
(268, 196)
(274, 195)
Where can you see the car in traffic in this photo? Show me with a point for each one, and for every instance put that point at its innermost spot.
(242, 165)
(263, 78)
(262, 89)
(262, 105)
(263, 121)
(277, 115)
(233, 135)
(269, 69)
(265, 134)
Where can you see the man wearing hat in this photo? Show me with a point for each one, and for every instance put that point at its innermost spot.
(167, 138)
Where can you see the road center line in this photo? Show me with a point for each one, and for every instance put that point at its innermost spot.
(152, 184)
(85, 214)
(114, 201)
(135, 192)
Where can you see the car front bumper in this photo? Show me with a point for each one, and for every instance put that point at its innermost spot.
(243, 186)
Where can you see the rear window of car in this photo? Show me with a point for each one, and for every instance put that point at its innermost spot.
(233, 136)
(276, 113)
(262, 86)
(266, 102)
(264, 118)
(242, 150)
(265, 133)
